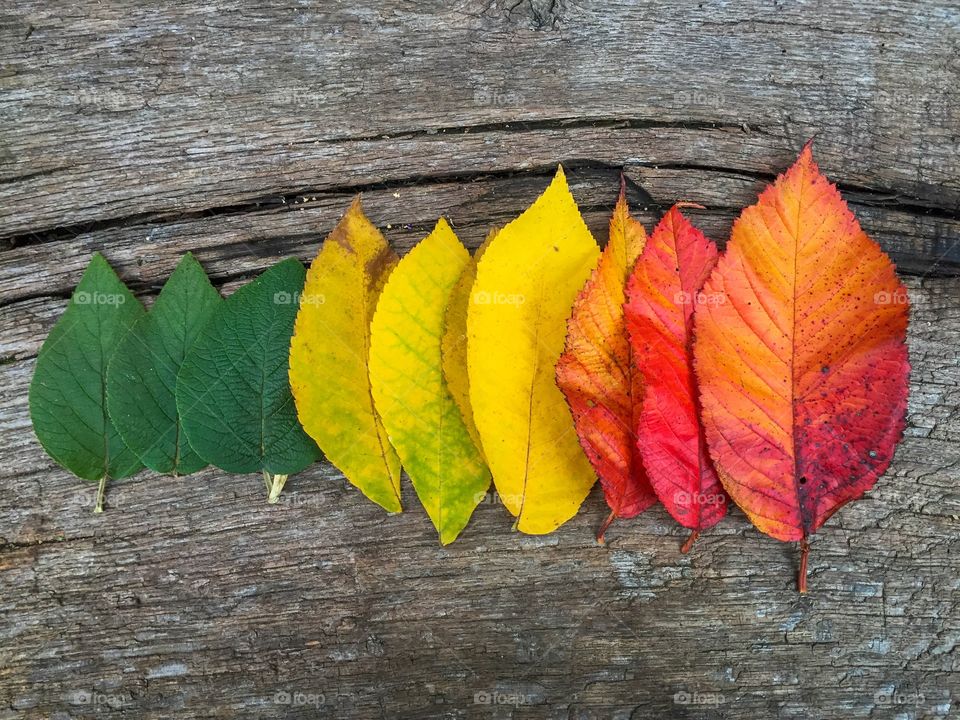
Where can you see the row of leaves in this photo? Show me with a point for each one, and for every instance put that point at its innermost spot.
(775, 374)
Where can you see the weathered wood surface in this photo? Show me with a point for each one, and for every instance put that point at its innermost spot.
(240, 131)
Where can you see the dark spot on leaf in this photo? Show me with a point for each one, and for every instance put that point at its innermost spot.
(378, 263)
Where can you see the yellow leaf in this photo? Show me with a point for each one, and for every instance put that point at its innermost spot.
(526, 283)
(330, 351)
(454, 342)
(411, 395)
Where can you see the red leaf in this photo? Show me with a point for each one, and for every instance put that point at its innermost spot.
(662, 293)
(803, 367)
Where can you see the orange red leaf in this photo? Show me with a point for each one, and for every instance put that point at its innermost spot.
(598, 375)
(803, 367)
(663, 290)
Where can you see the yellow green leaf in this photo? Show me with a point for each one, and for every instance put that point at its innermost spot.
(330, 351)
(453, 344)
(526, 284)
(422, 420)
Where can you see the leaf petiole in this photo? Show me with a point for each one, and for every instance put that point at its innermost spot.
(601, 540)
(101, 491)
(274, 485)
(685, 548)
(802, 575)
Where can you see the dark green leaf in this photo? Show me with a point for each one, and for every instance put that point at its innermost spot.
(142, 376)
(68, 392)
(233, 393)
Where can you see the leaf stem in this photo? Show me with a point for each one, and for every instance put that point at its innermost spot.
(804, 553)
(601, 540)
(275, 485)
(266, 480)
(101, 491)
(685, 548)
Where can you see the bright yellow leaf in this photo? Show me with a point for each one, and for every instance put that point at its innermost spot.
(526, 284)
(422, 420)
(330, 351)
(454, 342)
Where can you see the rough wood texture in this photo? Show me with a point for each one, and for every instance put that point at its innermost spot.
(240, 131)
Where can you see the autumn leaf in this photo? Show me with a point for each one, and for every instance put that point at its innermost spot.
(418, 411)
(599, 377)
(663, 291)
(330, 352)
(68, 403)
(526, 283)
(233, 395)
(802, 361)
(142, 375)
(453, 344)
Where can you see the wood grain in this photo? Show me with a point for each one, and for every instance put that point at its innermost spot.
(240, 131)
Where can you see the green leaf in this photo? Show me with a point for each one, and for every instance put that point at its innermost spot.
(142, 376)
(233, 394)
(68, 392)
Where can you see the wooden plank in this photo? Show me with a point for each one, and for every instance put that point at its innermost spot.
(246, 241)
(194, 597)
(121, 111)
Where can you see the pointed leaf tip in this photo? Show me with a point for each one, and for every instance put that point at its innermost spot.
(662, 294)
(73, 359)
(454, 343)
(330, 351)
(142, 374)
(232, 423)
(802, 362)
(406, 376)
(526, 283)
(598, 376)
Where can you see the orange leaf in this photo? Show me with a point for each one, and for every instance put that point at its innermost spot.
(598, 375)
(803, 367)
(662, 292)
